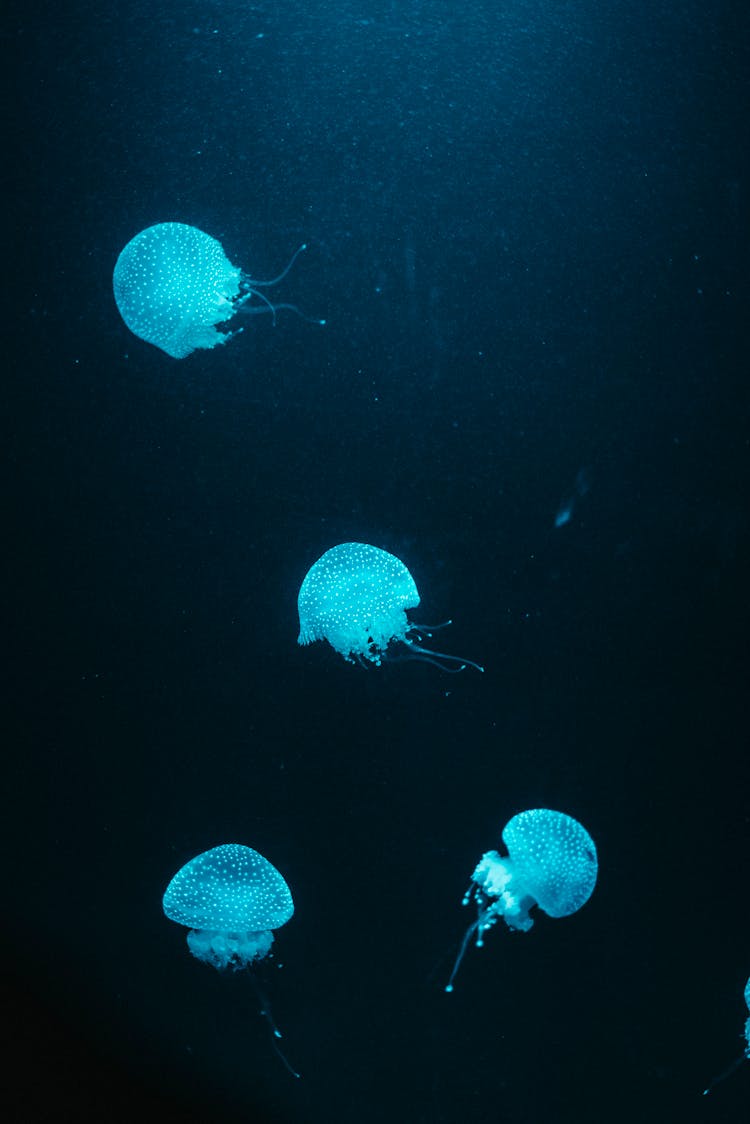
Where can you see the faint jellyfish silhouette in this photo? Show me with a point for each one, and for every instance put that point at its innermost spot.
(231, 899)
(551, 863)
(744, 1056)
(355, 597)
(173, 285)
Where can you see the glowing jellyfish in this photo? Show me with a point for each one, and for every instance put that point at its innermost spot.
(231, 899)
(356, 597)
(551, 863)
(744, 1056)
(174, 284)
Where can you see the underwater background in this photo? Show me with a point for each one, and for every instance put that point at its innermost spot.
(527, 229)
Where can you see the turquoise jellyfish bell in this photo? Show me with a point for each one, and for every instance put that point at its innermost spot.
(174, 286)
(551, 863)
(231, 899)
(356, 597)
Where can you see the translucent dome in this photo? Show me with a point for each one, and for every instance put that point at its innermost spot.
(230, 887)
(231, 898)
(551, 863)
(554, 859)
(355, 597)
(173, 284)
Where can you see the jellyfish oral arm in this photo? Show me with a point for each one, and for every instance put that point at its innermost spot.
(492, 874)
(494, 878)
(229, 950)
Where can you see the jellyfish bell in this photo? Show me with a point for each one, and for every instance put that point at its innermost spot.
(551, 863)
(175, 287)
(356, 597)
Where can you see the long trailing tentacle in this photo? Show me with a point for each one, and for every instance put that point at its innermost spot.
(254, 293)
(461, 952)
(252, 286)
(422, 630)
(265, 1011)
(435, 657)
(275, 280)
(726, 1073)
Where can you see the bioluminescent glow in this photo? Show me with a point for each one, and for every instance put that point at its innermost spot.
(231, 899)
(174, 285)
(356, 597)
(551, 863)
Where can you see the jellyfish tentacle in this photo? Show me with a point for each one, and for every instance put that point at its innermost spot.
(486, 918)
(251, 287)
(433, 657)
(254, 293)
(267, 1014)
(284, 1058)
(302, 315)
(461, 953)
(274, 308)
(275, 280)
(423, 657)
(421, 630)
(725, 1073)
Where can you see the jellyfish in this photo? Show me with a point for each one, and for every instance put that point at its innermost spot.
(174, 284)
(231, 899)
(744, 1056)
(551, 862)
(356, 597)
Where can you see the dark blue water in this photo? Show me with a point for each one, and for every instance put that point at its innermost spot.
(528, 232)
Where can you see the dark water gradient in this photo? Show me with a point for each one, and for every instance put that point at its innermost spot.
(528, 232)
